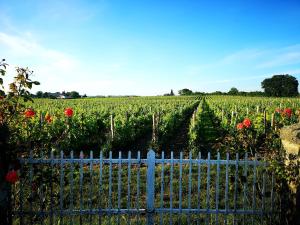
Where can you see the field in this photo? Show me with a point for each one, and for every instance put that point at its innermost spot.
(137, 123)
(215, 124)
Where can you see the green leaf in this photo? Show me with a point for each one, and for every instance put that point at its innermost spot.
(36, 83)
(2, 72)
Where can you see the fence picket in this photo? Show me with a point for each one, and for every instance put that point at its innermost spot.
(30, 181)
(180, 184)
(81, 186)
(51, 188)
(119, 185)
(199, 187)
(61, 193)
(150, 186)
(235, 184)
(245, 185)
(109, 187)
(208, 188)
(72, 188)
(190, 185)
(91, 185)
(226, 187)
(138, 187)
(100, 187)
(254, 188)
(217, 189)
(171, 189)
(63, 206)
(21, 194)
(128, 188)
(162, 186)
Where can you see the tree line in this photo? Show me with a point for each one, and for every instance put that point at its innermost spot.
(276, 86)
(63, 94)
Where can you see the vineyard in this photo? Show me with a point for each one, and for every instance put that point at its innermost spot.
(230, 127)
(113, 123)
(163, 123)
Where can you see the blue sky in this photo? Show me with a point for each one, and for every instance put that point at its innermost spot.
(118, 47)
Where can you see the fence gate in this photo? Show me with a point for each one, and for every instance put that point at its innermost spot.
(183, 190)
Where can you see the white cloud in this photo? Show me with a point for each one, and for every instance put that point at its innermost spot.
(58, 71)
(243, 55)
(248, 62)
(281, 59)
(26, 47)
(49, 65)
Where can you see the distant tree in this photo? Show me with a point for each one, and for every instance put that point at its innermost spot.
(255, 93)
(243, 93)
(39, 94)
(217, 93)
(233, 91)
(74, 94)
(198, 93)
(84, 96)
(185, 91)
(171, 93)
(280, 86)
(45, 95)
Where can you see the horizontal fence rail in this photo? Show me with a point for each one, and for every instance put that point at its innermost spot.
(186, 190)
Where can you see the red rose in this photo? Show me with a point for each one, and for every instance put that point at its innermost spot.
(247, 122)
(239, 126)
(68, 112)
(287, 112)
(29, 113)
(12, 177)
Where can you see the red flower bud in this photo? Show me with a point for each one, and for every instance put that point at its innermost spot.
(239, 126)
(48, 118)
(278, 110)
(68, 112)
(12, 177)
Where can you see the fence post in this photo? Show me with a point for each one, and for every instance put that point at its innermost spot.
(112, 126)
(150, 186)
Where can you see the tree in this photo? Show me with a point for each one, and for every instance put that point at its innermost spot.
(39, 94)
(233, 91)
(185, 91)
(280, 86)
(74, 94)
(171, 93)
(46, 95)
